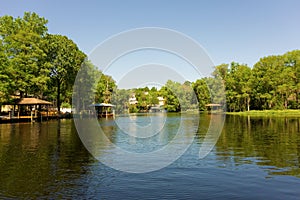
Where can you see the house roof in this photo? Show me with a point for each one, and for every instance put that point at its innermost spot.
(32, 101)
(102, 105)
(213, 104)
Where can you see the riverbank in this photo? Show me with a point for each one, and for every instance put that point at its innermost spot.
(267, 113)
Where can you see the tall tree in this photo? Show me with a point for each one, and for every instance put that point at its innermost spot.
(292, 63)
(85, 87)
(5, 80)
(63, 60)
(120, 98)
(265, 80)
(221, 71)
(202, 92)
(238, 88)
(171, 95)
(106, 85)
(22, 40)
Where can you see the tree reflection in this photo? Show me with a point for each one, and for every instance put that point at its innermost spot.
(270, 142)
(40, 157)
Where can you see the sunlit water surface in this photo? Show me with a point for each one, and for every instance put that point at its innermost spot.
(254, 158)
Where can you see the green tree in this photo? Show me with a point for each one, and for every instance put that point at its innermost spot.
(265, 81)
(120, 98)
(22, 40)
(202, 92)
(171, 94)
(188, 99)
(5, 80)
(86, 84)
(142, 96)
(106, 85)
(63, 60)
(292, 63)
(238, 87)
(221, 71)
(153, 97)
(216, 84)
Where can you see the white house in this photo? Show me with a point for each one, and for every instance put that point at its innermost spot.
(132, 100)
(161, 101)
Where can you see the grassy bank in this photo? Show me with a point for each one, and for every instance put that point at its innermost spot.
(275, 113)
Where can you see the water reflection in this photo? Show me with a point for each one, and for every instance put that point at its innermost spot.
(144, 154)
(133, 142)
(48, 160)
(272, 143)
(37, 157)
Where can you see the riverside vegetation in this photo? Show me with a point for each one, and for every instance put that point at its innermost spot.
(36, 63)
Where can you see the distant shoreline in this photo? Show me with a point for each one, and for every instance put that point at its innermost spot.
(275, 113)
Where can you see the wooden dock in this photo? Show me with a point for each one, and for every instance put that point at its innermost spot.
(28, 109)
(33, 117)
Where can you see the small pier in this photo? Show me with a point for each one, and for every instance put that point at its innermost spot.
(104, 110)
(29, 110)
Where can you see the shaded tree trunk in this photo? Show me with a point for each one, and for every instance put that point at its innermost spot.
(285, 103)
(248, 103)
(297, 100)
(58, 95)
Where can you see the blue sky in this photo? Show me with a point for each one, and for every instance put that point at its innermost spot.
(231, 30)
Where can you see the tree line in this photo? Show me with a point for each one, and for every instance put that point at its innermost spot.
(272, 83)
(35, 63)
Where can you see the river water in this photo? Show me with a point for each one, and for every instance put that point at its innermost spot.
(254, 158)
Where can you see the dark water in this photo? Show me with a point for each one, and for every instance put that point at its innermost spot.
(254, 158)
